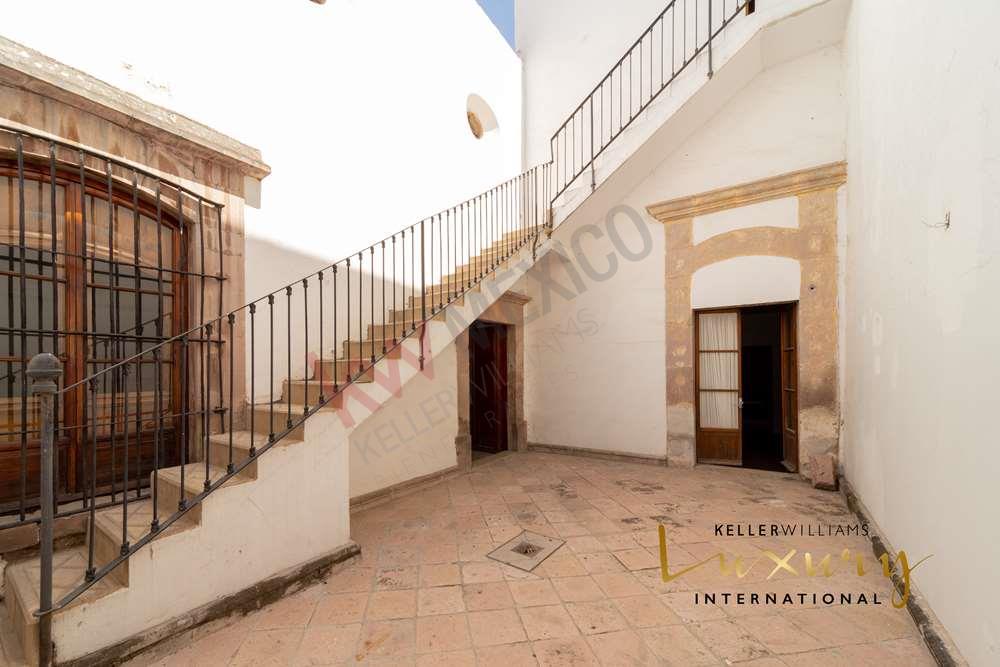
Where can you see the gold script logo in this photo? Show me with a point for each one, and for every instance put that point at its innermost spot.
(823, 568)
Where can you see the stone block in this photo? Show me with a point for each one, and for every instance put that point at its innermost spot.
(823, 471)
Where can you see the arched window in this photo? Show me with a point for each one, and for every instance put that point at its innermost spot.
(480, 116)
(92, 269)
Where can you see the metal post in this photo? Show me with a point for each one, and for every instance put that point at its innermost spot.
(710, 72)
(44, 370)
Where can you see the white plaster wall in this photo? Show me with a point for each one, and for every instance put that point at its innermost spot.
(358, 107)
(595, 341)
(567, 46)
(923, 364)
(413, 434)
(746, 281)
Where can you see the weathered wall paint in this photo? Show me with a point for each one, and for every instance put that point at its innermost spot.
(923, 365)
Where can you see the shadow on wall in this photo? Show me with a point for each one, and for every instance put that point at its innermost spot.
(270, 267)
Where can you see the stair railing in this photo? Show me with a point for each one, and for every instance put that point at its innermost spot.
(176, 405)
(305, 343)
(674, 39)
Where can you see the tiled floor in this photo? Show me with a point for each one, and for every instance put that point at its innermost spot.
(423, 591)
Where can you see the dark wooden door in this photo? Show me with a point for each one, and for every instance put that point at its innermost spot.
(488, 386)
(789, 390)
(718, 387)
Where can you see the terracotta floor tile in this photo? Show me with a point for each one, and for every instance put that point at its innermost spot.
(561, 564)
(578, 589)
(339, 609)
(447, 632)
(397, 578)
(533, 593)
(619, 584)
(440, 600)
(682, 603)
(595, 617)
(645, 611)
(728, 640)
(440, 574)
(637, 559)
(571, 652)
(290, 612)
(506, 655)
(478, 573)
(268, 647)
(439, 553)
(620, 648)
(326, 645)
(386, 639)
(547, 622)
(487, 596)
(385, 605)
(676, 646)
(489, 628)
(779, 634)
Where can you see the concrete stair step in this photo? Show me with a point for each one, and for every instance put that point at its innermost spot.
(307, 393)
(218, 450)
(334, 371)
(169, 493)
(263, 415)
(22, 581)
(359, 349)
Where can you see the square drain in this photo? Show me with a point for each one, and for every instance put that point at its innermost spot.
(526, 551)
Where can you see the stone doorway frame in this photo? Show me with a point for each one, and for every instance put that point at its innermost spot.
(813, 243)
(507, 310)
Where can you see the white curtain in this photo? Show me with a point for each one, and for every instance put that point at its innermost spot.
(718, 370)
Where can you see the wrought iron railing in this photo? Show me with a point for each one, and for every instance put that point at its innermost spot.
(173, 403)
(366, 305)
(674, 39)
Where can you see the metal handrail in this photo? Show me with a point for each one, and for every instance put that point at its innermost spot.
(457, 249)
(588, 131)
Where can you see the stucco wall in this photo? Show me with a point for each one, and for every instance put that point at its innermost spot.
(358, 107)
(596, 353)
(922, 361)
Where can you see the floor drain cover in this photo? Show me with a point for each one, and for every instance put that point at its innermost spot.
(526, 551)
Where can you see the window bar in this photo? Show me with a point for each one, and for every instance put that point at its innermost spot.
(185, 408)
(220, 281)
(288, 356)
(270, 402)
(86, 396)
(92, 388)
(114, 315)
(158, 439)
(206, 393)
(232, 320)
(124, 545)
(305, 348)
(55, 310)
(253, 367)
(22, 243)
(137, 307)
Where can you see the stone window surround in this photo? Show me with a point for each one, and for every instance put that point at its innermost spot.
(813, 243)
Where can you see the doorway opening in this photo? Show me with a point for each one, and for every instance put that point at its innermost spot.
(747, 384)
(488, 397)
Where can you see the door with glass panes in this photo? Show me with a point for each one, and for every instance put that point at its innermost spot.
(93, 273)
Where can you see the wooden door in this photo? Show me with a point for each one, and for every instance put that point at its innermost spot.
(789, 390)
(488, 387)
(717, 382)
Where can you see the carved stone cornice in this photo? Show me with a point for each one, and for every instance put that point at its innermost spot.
(775, 187)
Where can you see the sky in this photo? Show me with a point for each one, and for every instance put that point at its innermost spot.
(501, 12)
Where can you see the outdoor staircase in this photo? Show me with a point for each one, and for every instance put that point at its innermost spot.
(246, 501)
(168, 558)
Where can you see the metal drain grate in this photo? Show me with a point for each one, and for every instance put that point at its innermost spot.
(527, 549)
